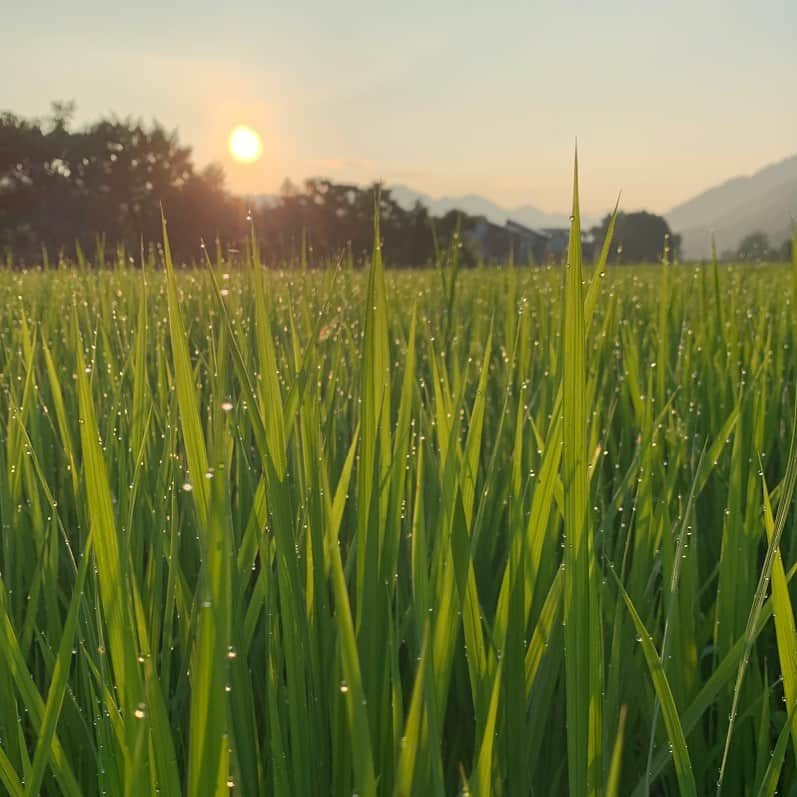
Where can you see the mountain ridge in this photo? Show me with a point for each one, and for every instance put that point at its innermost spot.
(764, 201)
(478, 205)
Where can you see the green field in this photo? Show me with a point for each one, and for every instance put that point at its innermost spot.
(492, 531)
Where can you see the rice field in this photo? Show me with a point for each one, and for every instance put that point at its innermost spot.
(497, 531)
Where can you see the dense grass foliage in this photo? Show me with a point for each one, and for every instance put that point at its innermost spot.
(499, 531)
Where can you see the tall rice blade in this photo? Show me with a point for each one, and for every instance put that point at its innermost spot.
(663, 328)
(413, 728)
(794, 259)
(58, 683)
(483, 776)
(769, 783)
(372, 612)
(193, 436)
(61, 415)
(271, 406)
(718, 311)
(599, 272)
(15, 668)
(785, 630)
(401, 444)
(583, 664)
(784, 506)
(473, 443)
(208, 764)
(352, 687)
(680, 555)
(141, 394)
(207, 756)
(375, 419)
(669, 712)
(613, 779)
(794, 281)
(111, 568)
(543, 631)
(9, 777)
(720, 678)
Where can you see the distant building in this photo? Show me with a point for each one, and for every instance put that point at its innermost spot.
(558, 240)
(493, 243)
(531, 243)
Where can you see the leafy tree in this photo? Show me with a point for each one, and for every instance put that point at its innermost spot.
(329, 218)
(640, 237)
(60, 186)
(755, 247)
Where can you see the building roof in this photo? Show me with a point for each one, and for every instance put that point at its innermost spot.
(524, 230)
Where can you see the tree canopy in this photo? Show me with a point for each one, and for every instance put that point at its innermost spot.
(757, 247)
(60, 186)
(640, 237)
(328, 218)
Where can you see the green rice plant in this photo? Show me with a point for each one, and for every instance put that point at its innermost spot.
(315, 530)
(582, 614)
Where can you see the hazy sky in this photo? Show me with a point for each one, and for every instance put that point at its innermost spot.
(666, 98)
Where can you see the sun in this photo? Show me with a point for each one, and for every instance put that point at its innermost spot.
(245, 144)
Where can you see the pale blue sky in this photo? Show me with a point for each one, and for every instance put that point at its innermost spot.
(665, 98)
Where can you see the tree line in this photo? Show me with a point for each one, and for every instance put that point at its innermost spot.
(62, 188)
(102, 188)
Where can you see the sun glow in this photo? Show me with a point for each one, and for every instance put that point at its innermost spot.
(245, 144)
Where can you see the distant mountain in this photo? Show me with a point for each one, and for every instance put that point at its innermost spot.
(475, 205)
(765, 201)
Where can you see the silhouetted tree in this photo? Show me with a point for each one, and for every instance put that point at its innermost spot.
(59, 186)
(754, 246)
(330, 218)
(640, 237)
